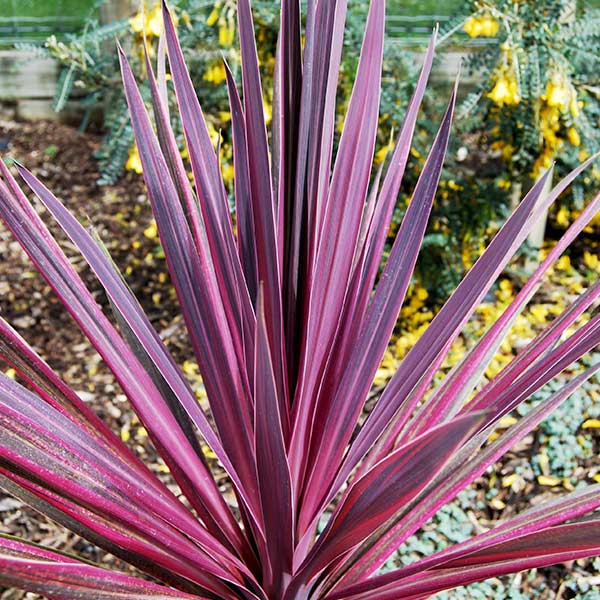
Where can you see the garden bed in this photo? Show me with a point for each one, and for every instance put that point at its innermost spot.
(559, 456)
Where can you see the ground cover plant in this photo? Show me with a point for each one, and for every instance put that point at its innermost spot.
(289, 321)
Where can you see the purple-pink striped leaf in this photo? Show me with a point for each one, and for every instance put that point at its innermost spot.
(219, 357)
(549, 514)
(341, 222)
(459, 384)
(99, 530)
(543, 342)
(387, 487)
(334, 424)
(188, 468)
(461, 471)
(287, 88)
(374, 229)
(246, 241)
(46, 447)
(264, 207)
(455, 306)
(58, 576)
(324, 36)
(37, 373)
(212, 197)
(272, 466)
(379, 228)
(148, 346)
(540, 549)
(548, 366)
(437, 339)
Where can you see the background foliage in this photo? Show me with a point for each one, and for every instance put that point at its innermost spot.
(534, 100)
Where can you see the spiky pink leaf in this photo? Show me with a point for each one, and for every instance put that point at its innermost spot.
(374, 230)
(543, 342)
(424, 357)
(246, 241)
(61, 577)
(461, 381)
(540, 549)
(263, 206)
(383, 490)
(332, 429)
(217, 353)
(272, 465)
(48, 448)
(324, 36)
(148, 346)
(341, 222)
(548, 514)
(103, 532)
(462, 470)
(190, 471)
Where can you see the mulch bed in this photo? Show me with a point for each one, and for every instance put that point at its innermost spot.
(63, 158)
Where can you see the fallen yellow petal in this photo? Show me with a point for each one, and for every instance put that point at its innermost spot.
(497, 504)
(549, 480)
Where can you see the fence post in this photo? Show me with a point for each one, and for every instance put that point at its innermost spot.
(115, 10)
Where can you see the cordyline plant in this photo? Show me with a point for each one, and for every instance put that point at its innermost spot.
(288, 321)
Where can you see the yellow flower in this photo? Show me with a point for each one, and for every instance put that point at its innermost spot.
(484, 25)
(591, 260)
(226, 32)
(228, 173)
(560, 93)
(137, 22)
(472, 27)
(505, 91)
(539, 313)
(574, 106)
(216, 73)
(134, 162)
(208, 452)
(573, 136)
(214, 16)
(543, 162)
(215, 136)
(582, 155)
(148, 22)
(267, 111)
(151, 232)
(382, 153)
(154, 22)
(489, 26)
(562, 217)
(454, 186)
(421, 293)
(386, 369)
(563, 263)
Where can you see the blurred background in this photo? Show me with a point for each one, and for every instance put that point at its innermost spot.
(529, 94)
